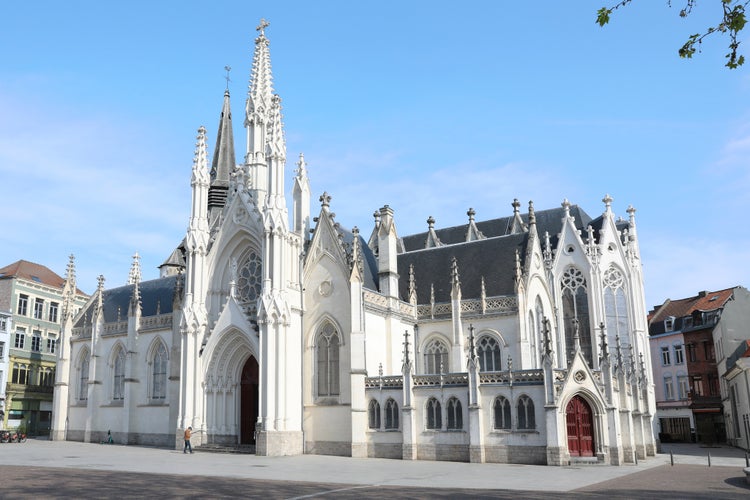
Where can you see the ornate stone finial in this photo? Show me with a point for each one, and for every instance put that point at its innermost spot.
(618, 349)
(472, 348)
(406, 347)
(380, 369)
(566, 206)
(547, 340)
(510, 363)
(631, 213)
(471, 213)
(532, 214)
(135, 270)
(607, 203)
(518, 271)
(430, 222)
(376, 216)
(100, 283)
(262, 26)
(590, 234)
(301, 170)
(455, 281)
(325, 200)
(412, 286)
(119, 314)
(603, 344)
(547, 253)
(432, 294)
(483, 296)
(227, 69)
(516, 205)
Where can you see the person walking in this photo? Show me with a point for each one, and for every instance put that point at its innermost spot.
(188, 446)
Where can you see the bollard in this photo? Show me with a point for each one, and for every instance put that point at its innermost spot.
(636, 457)
(709, 459)
(747, 460)
(671, 458)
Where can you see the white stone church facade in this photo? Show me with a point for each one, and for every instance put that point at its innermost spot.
(520, 339)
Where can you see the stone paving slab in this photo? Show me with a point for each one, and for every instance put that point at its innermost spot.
(351, 478)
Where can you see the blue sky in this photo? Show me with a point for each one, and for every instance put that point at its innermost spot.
(430, 107)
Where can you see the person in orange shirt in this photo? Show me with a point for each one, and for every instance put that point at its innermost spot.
(188, 446)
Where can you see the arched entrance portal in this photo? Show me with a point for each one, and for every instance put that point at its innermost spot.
(248, 401)
(580, 423)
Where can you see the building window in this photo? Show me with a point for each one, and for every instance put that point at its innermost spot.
(708, 348)
(391, 414)
(616, 308)
(683, 386)
(118, 384)
(83, 378)
(488, 350)
(38, 309)
(501, 410)
(3, 324)
(576, 313)
(2, 351)
(436, 357)
(525, 409)
(51, 343)
(159, 373)
(249, 279)
(668, 387)
(434, 414)
(53, 308)
(36, 341)
(679, 354)
(20, 374)
(23, 305)
(455, 416)
(327, 349)
(698, 385)
(666, 359)
(691, 352)
(46, 377)
(713, 385)
(373, 414)
(669, 324)
(20, 338)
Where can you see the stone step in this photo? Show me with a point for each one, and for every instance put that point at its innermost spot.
(248, 449)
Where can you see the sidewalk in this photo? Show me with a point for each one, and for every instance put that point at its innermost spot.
(343, 470)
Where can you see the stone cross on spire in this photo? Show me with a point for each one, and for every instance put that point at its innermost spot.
(227, 69)
(262, 26)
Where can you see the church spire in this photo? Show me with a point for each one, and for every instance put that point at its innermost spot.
(223, 161)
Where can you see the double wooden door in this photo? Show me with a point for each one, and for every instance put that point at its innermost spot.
(580, 423)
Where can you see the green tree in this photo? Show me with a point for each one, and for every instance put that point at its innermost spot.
(731, 24)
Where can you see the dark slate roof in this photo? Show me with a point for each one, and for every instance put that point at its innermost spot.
(493, 258)
(546, 221)
(368, 258)
(159, 291)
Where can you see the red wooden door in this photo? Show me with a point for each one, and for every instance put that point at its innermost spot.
(580, 424)
(248, 401)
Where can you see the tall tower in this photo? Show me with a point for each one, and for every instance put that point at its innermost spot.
(222, 164)
(279, 426)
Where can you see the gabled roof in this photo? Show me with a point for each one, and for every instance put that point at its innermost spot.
(546, 221)
(155, 294)
(30, 271)
(491, 258)
(704, 301)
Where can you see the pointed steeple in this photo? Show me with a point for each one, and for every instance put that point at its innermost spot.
(358, 268)
(223, 162)
(69, 289)
(412, 286)
(301, 199)
(517, 224)
(455, 280)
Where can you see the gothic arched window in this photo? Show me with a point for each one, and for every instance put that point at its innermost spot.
(249, 280)
(436, 357)
(488, 351)
(501, 410)
(373, 414)
(616, 308)
(159, 373)
(455, 416)
(83, 377)
(118, 371)
(327, 351)
(434, 414)
(525, 411)
(576, 312)
(391, 414)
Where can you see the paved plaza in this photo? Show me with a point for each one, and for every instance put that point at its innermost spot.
(67, 469)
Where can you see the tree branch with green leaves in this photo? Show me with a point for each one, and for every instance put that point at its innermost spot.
(732, 23)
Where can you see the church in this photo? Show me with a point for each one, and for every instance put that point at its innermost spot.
(518, 339)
